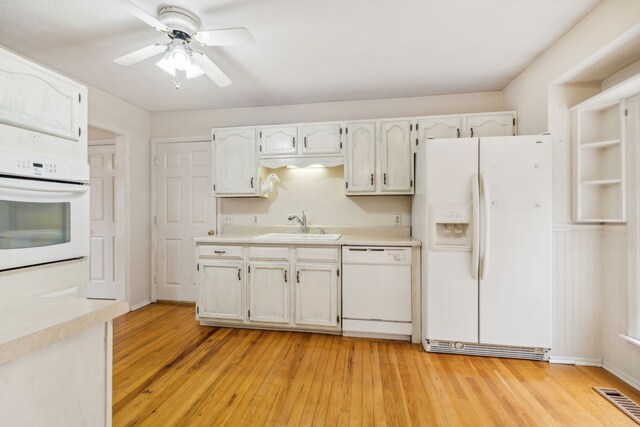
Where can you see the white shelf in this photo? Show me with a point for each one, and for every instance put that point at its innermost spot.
(601, 144)
(601, 182)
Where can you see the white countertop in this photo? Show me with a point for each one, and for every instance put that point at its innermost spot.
(345, 240)
(28, 324)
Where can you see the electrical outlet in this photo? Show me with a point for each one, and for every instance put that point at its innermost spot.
(228, 219)
(397, 219)
(255, 219)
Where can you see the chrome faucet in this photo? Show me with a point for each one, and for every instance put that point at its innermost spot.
(302, 222)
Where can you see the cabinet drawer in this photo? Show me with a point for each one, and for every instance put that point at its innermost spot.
(210, 251)
(269, 252)
(317, 254)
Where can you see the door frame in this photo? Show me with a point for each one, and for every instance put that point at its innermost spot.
(123, 177)
(154, 200)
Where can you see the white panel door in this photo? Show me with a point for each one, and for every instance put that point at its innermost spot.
(490, 125)
(397, 156)
(321, 139)
(360, 164)
(220, 290)
(102, 268)
(316, 292)
(236, 170)
(452, 290)
(515, 265)
(269, 292)
(278, 141)
(440, 127)
(185, 209)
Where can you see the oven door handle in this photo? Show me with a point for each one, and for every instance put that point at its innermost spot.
(69, 188)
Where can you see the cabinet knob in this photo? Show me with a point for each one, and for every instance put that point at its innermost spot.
(211, 232)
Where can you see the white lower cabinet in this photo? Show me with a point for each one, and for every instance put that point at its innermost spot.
(317, 295)
(286, 287)
(268, 292)
(220, 289)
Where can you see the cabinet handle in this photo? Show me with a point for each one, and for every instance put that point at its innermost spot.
(471, 132)
(294, 142)
(305, 142)
(298, 276)
(220, 252)
(239, 270)
(384, 178)
(285, 276)
(251, 182)
(458, 130)
(371, 179)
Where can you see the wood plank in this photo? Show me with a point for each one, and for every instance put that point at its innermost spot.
(169, 370)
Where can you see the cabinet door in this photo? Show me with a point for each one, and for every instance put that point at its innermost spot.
(321, 139)
(269, 292)
(491, 125)
(360, 159)
(235, 166)
(439, 127)
(36, 99)
(397, 156)
(220, 287)
(317, 295)
(278, 141)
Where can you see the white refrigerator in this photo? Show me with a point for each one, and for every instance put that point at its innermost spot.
(482, 209)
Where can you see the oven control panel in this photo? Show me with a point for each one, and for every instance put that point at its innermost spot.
(34, 166)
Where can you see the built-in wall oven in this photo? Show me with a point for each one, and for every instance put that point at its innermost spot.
(44, 216)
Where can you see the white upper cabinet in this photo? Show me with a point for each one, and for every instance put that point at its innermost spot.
(278, 140)
(397, 156)
(235, 165)
(440, 127)
(269, 292)
(321, 139)
(220, 286)
(317, 295)
(39, 100)
(360, 163)
(490, 125)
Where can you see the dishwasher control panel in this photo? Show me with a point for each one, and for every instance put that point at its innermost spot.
(376, 255)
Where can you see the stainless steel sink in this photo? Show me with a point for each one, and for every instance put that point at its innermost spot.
(298, 236)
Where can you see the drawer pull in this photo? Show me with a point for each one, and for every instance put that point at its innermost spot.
(220, 252)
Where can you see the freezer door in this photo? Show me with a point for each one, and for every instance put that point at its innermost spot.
(449, 290)
(515, 248)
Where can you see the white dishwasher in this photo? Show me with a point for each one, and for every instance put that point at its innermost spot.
(376, 292)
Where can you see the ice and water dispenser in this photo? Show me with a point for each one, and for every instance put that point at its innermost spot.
(451, 227)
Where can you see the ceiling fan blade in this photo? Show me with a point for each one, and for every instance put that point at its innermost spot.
(141, 54)
(224, 37)
(136, 11)
(211, 69)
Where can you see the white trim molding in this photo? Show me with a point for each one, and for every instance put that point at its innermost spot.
(633, 341)
(140, 305)
(623, 376)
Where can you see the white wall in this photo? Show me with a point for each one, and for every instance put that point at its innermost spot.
(590, 298)
(322, 199)
(121, 117)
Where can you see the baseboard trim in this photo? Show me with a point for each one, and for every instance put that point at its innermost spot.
(578, 361)
(633, 382)
(140, 305)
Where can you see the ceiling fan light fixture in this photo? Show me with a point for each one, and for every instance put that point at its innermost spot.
(193, 70)
(179, 58)
(166, 64)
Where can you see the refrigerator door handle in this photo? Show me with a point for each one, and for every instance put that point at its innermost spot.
(486, 199)
(475, 226)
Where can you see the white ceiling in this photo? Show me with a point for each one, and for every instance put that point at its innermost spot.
(306, 50)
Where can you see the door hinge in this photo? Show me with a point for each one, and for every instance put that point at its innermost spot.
(79, 97)
(260, 134)
(249, 269)
(214, 136)
(79, 131)
(197, 267)
(346, 184)
(249, 314)
(338, 318)
(411, 127)
(341, 145)
(155, 219)
(338, 272)
(411, 183)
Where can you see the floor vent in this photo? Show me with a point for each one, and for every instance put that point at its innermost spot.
(620, 401)
(474, 349)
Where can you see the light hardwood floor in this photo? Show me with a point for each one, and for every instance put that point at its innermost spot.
(168, 370)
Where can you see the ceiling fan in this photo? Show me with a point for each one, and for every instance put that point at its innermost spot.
(183, 28)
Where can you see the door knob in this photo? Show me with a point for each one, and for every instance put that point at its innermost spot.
(211, 232)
